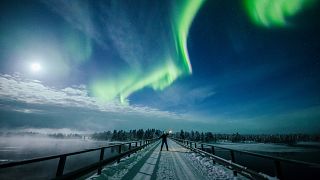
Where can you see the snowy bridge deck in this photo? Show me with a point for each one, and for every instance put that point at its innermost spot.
(144, 160)
(177, 163)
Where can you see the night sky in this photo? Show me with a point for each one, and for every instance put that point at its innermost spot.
(220, 66)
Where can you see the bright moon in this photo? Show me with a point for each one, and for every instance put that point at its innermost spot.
(35, 67)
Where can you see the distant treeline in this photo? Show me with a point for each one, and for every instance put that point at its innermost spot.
(122, 135)
(60, 135)
(54, 135)
(261, 138)
(19, 134)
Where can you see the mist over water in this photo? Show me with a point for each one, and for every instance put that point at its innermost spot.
(22, 147)
(26, 147)
(16, 148)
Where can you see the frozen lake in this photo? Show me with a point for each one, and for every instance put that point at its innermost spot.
(309, 152)
(304, 151)
(264, 147)
(26, 147)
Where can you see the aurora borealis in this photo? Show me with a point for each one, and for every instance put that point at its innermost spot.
(173, 64)
(228, 66)
(270, 13)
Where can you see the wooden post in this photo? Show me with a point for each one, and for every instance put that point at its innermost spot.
(101, 159)
(62, 162)
(202, 147)
(212, 148)
(129, 149)
(233, 160)
(119, 153)
(278, 169)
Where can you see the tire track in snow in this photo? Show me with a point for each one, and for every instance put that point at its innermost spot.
(174, 165)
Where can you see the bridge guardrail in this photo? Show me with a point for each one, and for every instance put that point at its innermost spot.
(277, 160)
(95, 166)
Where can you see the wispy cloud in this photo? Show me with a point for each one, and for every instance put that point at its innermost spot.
(187, 97)
(15, 88)
(111, 27)
(24, 110)
(79, 15)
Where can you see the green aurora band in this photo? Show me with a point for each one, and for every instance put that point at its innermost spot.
(175, 64)
(275, 13)
(182, 23)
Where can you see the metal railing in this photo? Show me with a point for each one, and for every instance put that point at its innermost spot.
(277, 161)
(89, 168)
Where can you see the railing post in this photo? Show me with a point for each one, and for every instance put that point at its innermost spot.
(212, 148)
(101, 159)
(129, 148)
(233, 160)
(202, 147)
(119, 153)
(140, 143)
(278, 169)
(136, 144)
(62, 162)
(190, 144)
(195, 145)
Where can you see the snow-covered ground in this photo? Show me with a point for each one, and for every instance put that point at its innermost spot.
(265, 147)
(181, 163)
(119, 170)
(210, 170)
(310, 144)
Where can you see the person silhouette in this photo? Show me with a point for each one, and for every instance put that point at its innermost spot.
(164, 140)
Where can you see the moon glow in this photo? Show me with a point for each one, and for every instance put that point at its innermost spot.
(35, 67)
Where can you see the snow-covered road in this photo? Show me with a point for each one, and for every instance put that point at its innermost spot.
(177, 163)
(173, 164)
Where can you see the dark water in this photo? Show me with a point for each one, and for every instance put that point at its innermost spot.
(20, 148)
